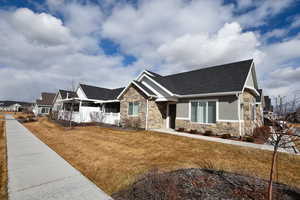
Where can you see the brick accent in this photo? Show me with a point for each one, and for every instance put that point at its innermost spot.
(219, 128)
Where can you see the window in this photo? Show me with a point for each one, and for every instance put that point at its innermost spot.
(203, 111)
(45, 110)
(133, 108)
(112, 107)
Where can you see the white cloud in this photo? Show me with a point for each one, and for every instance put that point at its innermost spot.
(296, 22)
(263, 10)
(228, 44)
(44, 52)
(41, 28)
(140, 31)
(48, 59)
(287, 74)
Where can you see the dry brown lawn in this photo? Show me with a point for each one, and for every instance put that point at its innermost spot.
(114, 159)
(3, 162)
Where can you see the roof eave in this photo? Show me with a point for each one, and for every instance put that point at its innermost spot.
(208, 94)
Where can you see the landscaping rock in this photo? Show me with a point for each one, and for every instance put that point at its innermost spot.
(205, 184)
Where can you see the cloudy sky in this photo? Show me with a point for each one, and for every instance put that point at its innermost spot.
(47, 45)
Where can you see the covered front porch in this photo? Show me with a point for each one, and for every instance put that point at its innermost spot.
(85, 111)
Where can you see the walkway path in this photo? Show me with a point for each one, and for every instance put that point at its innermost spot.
(35, 172)
(226, 141)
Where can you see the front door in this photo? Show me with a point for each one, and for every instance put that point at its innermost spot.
(172, 115)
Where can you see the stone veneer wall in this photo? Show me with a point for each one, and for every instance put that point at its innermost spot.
(249, 124)
(219, 128)
(157, 112)
(133, 95)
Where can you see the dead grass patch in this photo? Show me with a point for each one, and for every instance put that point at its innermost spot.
(113, 159)
(3, 162)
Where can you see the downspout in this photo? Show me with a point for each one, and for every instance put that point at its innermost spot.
(147, 110)
(80, 111)
(239, 113)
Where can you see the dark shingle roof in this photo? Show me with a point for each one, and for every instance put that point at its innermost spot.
(64, 93)
(144, 88)
(93, 92)
(222, 78)
(9, 103)
(47, 99)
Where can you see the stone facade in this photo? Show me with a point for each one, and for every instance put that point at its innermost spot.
(249, 102)
(133, 95)
(157, 114)
(219, 128)
(156, 110)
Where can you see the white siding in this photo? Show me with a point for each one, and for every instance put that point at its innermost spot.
(80, 93)
(154, 88)
(250, 82)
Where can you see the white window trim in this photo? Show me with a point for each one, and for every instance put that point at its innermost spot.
(183, 118)
(204, 100)
(132, 108)
(159, 85)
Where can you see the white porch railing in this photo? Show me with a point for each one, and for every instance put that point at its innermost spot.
(66, 115)
(92, 116)
(107, 118)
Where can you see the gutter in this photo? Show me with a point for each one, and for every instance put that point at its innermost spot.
(208, 94)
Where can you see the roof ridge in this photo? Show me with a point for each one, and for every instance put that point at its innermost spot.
(214, 66)
(100, 87)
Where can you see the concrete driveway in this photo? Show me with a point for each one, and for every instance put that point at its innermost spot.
(36, 172)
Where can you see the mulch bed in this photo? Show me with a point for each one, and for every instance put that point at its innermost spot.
(207, 184)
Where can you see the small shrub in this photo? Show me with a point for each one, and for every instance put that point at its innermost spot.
(208, 133)
(249, 139)
(226, 136)
(180, 130)
(262, 132)
(193, 131)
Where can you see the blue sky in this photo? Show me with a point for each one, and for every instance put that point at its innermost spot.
(107, 43)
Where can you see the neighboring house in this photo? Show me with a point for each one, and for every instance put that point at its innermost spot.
(44, 104)
(268, 108)
(15, 106)
(90, 104)
(221, 99)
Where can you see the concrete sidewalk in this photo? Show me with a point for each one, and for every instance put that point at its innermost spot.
(36, 172)
(226, 141)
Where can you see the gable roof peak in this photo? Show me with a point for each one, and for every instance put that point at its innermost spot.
(236, 63)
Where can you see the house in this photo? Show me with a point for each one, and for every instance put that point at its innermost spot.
(88, 104)
(268, 108)
(44, 104)
(15, 106)
(222, 99)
